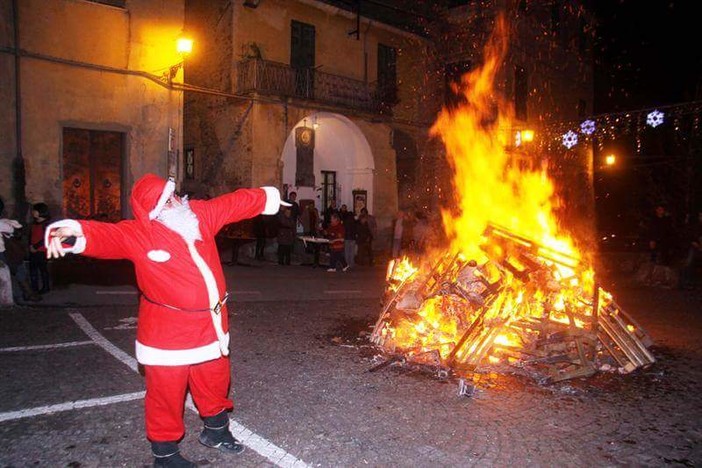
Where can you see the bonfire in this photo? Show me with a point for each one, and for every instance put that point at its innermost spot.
(511, 287)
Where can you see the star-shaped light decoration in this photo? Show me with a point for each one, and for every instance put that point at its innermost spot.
(655, 118)
(570, 139)
(587, 127)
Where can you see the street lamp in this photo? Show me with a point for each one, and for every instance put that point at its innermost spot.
(184, 46)
(610, 160)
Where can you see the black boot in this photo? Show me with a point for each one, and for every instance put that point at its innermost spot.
(167, 454)
(216, 434)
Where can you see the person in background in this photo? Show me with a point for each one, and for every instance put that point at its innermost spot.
(13, 251)
(38, 266)
(286, 236)
(373, 227)
(693, 255)
(7, 228)
(328, 212)
(661, 236)
(420, 233)
(349, 221)
(295, 207)
(335, 234)
(259, 231)
(183, 333)
(364, 240)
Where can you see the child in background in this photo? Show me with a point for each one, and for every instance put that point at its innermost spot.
(335, 234)
(37, 251)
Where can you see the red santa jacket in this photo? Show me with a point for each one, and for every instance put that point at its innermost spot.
(170, 272)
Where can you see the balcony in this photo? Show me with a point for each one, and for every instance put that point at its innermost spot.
(278, 79)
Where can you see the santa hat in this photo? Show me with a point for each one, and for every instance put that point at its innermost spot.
(149, 195)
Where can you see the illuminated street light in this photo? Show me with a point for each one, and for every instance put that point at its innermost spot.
(184, 45)
(610, 160)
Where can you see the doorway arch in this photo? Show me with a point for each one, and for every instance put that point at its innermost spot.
(341, 149)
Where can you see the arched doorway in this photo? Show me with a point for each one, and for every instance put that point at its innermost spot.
(325, 156)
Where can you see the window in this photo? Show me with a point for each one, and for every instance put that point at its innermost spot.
(521, 92)
(387, 74)
(302, 57)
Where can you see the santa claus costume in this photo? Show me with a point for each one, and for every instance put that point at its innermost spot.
(182, 336)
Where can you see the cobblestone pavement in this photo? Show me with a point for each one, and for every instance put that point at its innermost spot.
(301, 382)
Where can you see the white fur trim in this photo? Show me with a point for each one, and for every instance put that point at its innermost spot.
(151, 356)
(168, 190)
(159, 256)
(79, 246)
(273, 201)
(213, 296)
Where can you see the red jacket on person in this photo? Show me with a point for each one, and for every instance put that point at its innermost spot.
(181, 280)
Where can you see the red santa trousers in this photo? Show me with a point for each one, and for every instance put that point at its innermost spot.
(165, 395)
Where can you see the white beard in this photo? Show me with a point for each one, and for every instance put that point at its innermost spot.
(182, 220)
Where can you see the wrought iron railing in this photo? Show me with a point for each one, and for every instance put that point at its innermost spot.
(273, 78)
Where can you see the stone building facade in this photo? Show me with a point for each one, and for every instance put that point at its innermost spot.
(85, 101)
(312, 97)
(307, 95)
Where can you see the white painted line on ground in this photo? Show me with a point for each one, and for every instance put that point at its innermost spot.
(342, 291)
(46, 346)
(258, 444)
(131, 293)
(104, 343)
(71, 405)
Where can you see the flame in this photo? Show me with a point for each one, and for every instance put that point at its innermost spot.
(494, 194)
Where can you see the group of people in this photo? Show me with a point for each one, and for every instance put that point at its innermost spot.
(350, 237)
(411, 233)
(665, 244)
(22, 250)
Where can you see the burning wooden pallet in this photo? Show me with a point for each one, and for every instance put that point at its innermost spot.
(526, 306)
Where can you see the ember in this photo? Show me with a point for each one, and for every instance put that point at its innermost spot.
(511, 288)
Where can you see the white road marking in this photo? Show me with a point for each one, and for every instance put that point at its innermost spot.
(71, 405)
(104, 343)
(131, 293)
(46, 346)
(342, 291)
(258, 444)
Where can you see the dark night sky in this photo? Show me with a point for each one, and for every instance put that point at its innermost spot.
(638, 42)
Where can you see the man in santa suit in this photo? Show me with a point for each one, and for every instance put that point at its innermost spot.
(182, 337)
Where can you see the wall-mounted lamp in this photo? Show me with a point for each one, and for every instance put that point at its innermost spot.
(523, 136)
(184, 46)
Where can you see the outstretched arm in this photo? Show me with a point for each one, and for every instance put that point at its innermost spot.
(91, 238)
(238, 205)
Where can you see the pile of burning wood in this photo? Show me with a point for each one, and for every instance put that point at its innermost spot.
(522, 304)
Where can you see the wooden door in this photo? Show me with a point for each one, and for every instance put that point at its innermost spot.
(92, 174)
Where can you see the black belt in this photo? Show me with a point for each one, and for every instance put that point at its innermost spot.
(216, 309)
